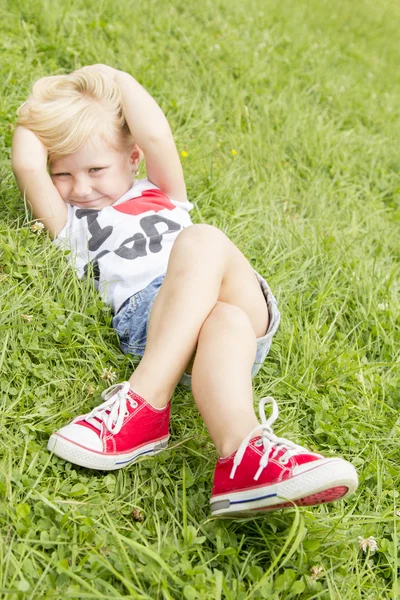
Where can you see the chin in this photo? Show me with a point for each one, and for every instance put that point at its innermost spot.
(95, 205)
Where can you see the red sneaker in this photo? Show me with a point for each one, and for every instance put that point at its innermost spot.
(115, 434)
(270, 473)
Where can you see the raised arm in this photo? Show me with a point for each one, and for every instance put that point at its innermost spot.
(151, 131)
(29, 164)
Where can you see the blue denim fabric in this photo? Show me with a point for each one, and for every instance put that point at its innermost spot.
(131, 323)
(132, 320)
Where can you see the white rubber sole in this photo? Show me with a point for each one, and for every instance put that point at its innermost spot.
(79, 455)
(314, 486)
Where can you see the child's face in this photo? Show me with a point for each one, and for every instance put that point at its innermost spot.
(96, 175)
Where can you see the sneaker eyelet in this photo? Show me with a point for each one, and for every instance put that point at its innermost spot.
(258, 443)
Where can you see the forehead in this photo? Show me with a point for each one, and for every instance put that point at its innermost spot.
(94, 151)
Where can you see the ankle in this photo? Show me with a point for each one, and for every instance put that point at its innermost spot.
(227, 448)
(158, 403)
(228, 443)
(154, 394)
(156, 400)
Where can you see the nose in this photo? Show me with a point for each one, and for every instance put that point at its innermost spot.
(81, 187)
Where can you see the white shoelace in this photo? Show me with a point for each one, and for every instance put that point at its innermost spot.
(113, 411)
(269, 440)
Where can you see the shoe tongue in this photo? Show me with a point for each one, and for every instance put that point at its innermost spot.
(95, 423)
(294, 451)
(282, 450)
(259, 445)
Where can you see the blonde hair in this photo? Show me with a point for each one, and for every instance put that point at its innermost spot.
(64, 111)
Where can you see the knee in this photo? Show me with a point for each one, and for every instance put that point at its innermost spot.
(201, 236)
(226, 317)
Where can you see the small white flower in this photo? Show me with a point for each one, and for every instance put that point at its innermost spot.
(316, 571)
(368, 543)
(37, 227)
(397, 513)
(383, 306)
(26, 317)
(109, 375)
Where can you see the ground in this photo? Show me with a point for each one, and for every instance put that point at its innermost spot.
(286, 116)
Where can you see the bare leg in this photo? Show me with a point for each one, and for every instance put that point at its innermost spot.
(196, 268)
(221, 376)
(204, 267)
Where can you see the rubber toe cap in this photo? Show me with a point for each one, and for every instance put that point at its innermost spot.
(82, 436)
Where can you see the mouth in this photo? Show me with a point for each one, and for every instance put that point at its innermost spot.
(79, 202)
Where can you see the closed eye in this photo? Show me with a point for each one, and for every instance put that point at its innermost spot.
(96, 169)
(59, 174)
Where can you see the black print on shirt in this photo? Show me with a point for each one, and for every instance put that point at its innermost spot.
(99, 235)
(148, 224)
(138, 248)
(127, 251)
(94, 265)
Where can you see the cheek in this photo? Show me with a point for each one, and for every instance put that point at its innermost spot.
(61, 187)
(120, 183)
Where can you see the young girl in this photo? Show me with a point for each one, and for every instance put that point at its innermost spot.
(183, 296)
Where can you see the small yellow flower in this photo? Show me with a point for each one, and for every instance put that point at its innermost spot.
(37, 227)
(233, 152)
(184, 154)
(90, 390)
(109, 375)
(26, 317)
(316, 571)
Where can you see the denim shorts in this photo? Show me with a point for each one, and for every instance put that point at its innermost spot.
(131, 323)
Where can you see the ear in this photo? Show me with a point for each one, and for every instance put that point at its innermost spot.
(135, 157)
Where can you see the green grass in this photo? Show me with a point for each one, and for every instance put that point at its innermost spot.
(307, 94)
